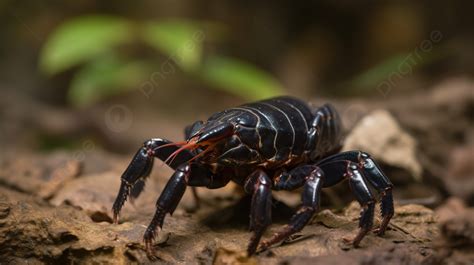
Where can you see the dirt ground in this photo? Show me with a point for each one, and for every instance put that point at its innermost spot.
(55, 207)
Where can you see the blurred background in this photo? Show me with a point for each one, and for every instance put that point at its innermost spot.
(88, 81)
(69, 71)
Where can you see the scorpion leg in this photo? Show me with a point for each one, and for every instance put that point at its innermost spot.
(337, 170)
(365, 198)
(325, 130)
(185, 175)
(312, 178)
(259, 184)
(133, 178)
(383, 185)
(377, 179)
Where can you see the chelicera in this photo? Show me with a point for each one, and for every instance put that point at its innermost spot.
(276, 144)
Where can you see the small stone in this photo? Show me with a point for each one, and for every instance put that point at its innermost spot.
(380, 135)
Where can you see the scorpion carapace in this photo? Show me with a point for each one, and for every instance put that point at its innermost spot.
(276, 144)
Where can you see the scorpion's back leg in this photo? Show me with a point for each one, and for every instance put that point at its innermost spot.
(133, 178)
(309, 176)
(383, 185)
(195, 175)
(337, 170)
(325, 133)
(259, 184)
(377, 179)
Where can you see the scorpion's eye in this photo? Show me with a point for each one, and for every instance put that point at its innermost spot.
(216, 133)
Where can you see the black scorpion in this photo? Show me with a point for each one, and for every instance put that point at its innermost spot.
(275, 144)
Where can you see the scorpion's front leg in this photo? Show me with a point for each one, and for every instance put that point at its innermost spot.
(167, 203)
(132, 180)
(185, 175)
(259, 184)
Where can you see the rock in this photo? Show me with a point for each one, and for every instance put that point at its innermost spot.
(227, 257)
(417, 222)
(394, 255)
(94, 194)
(41, 175)
(456, 242)
(459, 178)
(453, 93)
(35, 233)
(457, 222)
(379, 134)
(412, 226)
(59, 176)
(46, 174)
(64, 234)
(451, 208)
(459, 230)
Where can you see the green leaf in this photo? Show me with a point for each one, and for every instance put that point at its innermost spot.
(105, 77)
(180, 40)
(379, 72)
(82, 39)
(396, 67)
(240, 78)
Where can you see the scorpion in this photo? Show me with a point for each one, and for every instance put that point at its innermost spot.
(280, 143)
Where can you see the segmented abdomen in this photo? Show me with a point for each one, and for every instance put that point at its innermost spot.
(276, 128)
